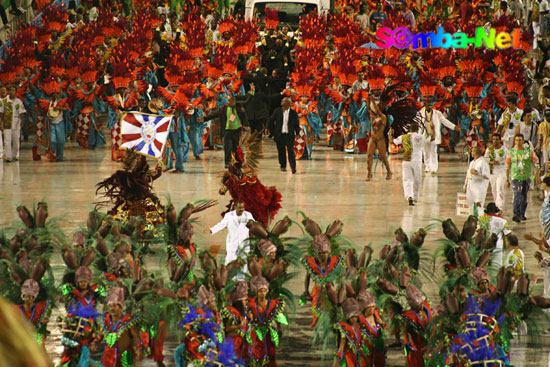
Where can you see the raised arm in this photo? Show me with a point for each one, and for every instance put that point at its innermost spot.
(221, 225)
(448, 124)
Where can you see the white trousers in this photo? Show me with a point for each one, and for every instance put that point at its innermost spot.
(498, 253)
(233, 252)
(497, 188)
(429, 151)
(546, 290)
(412, 177)
(545, 158)
(1, 145)
(476, 193)
(11, 144)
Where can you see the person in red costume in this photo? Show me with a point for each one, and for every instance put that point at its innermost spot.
(323, 268)
(235, 321)
(206, 311)
(480, 277)
(416, 320)
(372, 326)
(121, 333)
(85, 294)
(37, 313)
(242, 182)
(123, 100)
(81, 303)
(270, 262)
(349, 337)
(263, 312)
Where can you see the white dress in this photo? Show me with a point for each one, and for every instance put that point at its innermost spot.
(477, 185)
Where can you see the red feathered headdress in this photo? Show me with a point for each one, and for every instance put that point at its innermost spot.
(473, 87)
(304, 90)
(239, 155)
(226, 25)
(51, 86)
(57, 64)
(122, 74)
(54, 18)
(428, 85)
(271, 18)
(376, 78)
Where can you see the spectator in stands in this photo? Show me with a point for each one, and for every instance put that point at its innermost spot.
(544, 12)
(466, 12)
(407, 14)
(503, 11)
(238, 10)
(349, 11)
(516, 8)
(360, 83)
(14, 10)
(377, 17)
(362, 17)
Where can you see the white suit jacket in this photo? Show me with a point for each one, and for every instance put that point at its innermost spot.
(237, 231)
(437, 120)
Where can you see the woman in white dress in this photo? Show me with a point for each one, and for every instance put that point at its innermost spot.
(477, 182)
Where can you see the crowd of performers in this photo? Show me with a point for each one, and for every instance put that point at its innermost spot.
(69, 73)
(114, 309)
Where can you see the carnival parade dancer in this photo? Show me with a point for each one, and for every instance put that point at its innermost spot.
(377, 141)
(416, 321)
(448, 94)
(372, 326)
(123, 100)
(121, 333)
(263, 312)
(55, 130)
(36, 312)
(310, 123)
(87, 105)
(236, 320)
(130, 191)
(349, 337)
(242, 182)
(323, 268)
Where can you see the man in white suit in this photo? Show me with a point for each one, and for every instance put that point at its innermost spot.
(412, 161)
(432, 120)
(237, 231)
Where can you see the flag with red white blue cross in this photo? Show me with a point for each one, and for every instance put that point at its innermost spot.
(146, 134)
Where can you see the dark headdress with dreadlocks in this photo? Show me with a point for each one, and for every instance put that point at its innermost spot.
(403, 112)
(131, 191)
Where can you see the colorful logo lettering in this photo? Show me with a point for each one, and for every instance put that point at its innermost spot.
(403, 38)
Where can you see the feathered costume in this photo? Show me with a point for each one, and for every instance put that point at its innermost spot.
(243, 184)
(130, 190)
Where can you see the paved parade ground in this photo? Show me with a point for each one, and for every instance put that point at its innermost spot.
(330, 186)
